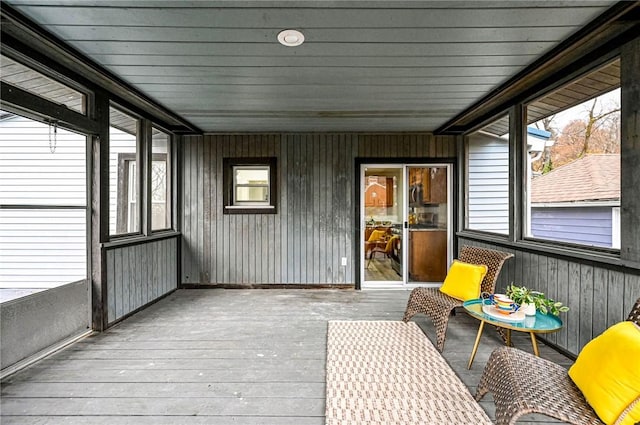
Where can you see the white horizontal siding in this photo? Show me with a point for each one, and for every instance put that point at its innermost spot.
(56, 254)
(488, 197)
(41, 228)
(41, 248)
(30, 173)
(487, 202)
(37, 250)
(46, 215)
(488, 184)
(46, 248)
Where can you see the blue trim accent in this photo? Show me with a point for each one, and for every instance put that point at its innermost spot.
(536, 132)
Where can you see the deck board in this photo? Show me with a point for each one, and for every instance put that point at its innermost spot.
(220, 356)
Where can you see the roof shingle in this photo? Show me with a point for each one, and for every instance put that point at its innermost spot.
(594, 177)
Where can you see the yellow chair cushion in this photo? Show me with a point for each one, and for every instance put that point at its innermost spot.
(376, 235)
(607, 371)
(390, 243)
(463, 280)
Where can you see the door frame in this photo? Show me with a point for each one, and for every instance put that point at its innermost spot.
(357, 231)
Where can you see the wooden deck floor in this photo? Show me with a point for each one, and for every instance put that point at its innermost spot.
(219, 357)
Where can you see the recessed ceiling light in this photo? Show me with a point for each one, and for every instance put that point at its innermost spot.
(290, 38)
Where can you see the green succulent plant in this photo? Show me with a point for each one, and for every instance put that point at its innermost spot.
(522, 294)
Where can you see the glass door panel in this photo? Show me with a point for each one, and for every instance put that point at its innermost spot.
(405, 224)
(428, 215)
(382, 225)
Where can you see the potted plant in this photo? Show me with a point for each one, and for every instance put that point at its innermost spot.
(530, 301)
(524, 297)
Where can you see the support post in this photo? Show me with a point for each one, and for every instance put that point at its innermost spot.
(99, 213)
(630, 153)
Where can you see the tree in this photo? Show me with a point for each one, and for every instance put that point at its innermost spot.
(595, 129)
(544, 164)
(593, 134)
(569, 143)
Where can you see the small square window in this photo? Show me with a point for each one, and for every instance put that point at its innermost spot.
(249, 185)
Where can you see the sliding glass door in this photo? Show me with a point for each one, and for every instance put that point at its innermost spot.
(427, 223)
(383, 205)
(405, 223)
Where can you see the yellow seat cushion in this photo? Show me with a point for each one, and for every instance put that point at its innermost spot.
(607, 372)
(390, 243)
(376, 235)
(463, 280)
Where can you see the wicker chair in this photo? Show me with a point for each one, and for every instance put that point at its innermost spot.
(522, 383)
(439, 306)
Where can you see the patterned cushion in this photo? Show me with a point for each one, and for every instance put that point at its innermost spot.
(389, 373)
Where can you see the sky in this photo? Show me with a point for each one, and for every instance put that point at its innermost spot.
(611, 99)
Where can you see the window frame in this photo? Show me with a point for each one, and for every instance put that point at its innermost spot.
(123, 198)
(524, 212)
(517, 176)
(230, 205)
(144, 158)
(122, 178)
(237, 185)
(168, 159)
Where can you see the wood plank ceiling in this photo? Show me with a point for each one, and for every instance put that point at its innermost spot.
(594, 84)
(372, 66)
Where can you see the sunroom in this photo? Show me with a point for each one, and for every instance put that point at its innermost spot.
(191, 167)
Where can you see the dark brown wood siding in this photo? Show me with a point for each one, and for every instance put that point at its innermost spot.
(304, 242)
(139, 274)
(598, 297)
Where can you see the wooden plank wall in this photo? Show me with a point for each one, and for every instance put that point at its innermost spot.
(140, 274)
(314, 227)
(598, 297)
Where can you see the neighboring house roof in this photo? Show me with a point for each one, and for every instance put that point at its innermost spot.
(590, 178)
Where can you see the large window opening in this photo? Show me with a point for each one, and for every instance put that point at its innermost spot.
(572, 162)
(124, 178)
(43, 205)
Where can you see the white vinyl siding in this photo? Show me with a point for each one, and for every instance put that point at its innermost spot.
(31, 174)
(119, 143)
(615, 227)
(42, 248)
(488, 183)
(46, 247)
